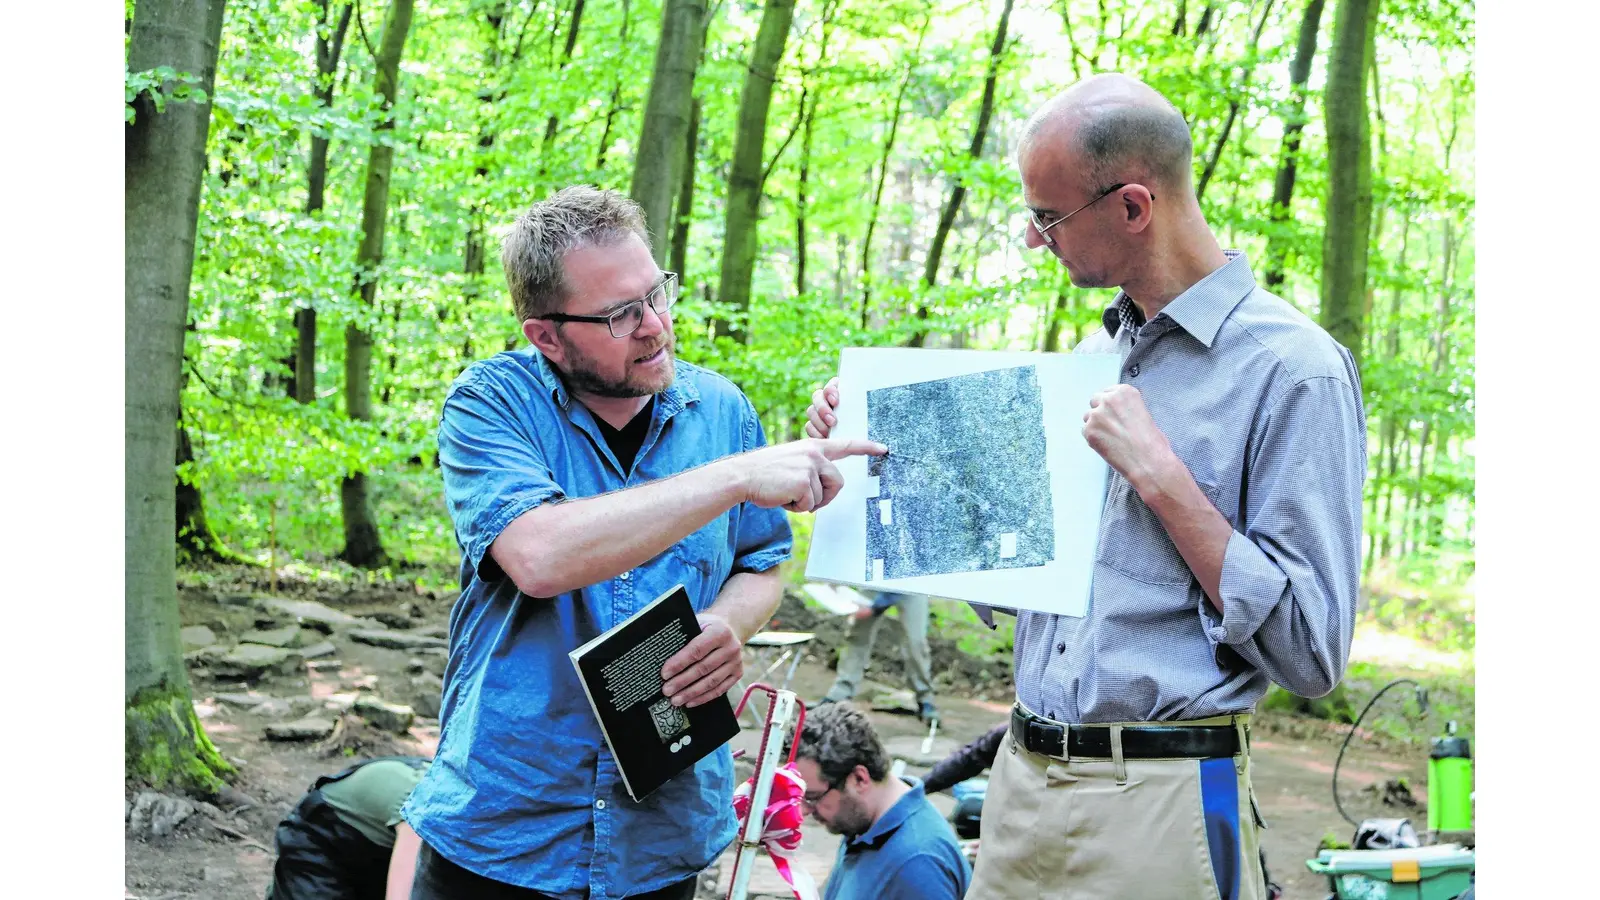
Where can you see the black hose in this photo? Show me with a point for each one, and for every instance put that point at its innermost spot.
(1353, 728)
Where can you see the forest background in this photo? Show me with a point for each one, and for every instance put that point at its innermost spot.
(823, 173)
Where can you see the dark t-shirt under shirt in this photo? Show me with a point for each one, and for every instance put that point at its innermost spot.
(625, 442)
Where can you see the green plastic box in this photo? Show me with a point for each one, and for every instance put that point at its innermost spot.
(1440, 872)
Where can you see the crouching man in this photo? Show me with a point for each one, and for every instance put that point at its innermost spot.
(896, 844)
(345, 839)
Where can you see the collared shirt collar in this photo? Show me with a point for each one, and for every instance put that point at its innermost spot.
(1202, 308)
(892, 818)
(683, 391)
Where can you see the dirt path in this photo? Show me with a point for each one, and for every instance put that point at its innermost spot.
(1293, 760)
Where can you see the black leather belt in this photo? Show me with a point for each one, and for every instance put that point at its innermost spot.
(1049, 738)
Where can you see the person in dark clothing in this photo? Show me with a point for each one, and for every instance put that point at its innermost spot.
(345, 839)
(968, 762)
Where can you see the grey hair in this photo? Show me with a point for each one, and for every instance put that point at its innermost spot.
(570, 219)
(1125, 142)
(838, 738)
(1119, 140)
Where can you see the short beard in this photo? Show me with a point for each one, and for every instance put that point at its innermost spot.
(582, 377)
(851, 821)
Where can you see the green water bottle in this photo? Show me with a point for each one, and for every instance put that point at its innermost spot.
(1450, 783)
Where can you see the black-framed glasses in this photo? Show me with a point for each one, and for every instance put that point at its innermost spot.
(625, 319)
(1044, 230)
(811, 800)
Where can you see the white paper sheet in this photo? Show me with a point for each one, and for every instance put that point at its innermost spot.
(1077, 477)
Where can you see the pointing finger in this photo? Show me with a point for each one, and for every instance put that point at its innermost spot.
(839, 448)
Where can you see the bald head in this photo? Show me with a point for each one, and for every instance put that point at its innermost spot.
(1119, 129)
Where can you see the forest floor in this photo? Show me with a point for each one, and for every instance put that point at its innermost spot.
(224, 851)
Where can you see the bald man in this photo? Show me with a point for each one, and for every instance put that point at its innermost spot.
(1229, 552)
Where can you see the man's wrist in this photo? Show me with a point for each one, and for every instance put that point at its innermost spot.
(1162, 479)
(735, 627)
(731, 479)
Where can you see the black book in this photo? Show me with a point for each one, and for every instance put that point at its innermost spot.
(620, 671)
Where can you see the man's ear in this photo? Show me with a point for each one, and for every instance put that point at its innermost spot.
(1138, 205)
(542, 335)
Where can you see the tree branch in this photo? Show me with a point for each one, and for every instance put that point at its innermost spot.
(1233, 106)
(522, 32)
(361, 27)
(799, 117)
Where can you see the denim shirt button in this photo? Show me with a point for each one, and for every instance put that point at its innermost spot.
(625, 576)
(599, 804)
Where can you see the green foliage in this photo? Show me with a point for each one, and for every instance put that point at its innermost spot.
(164, 84)
(476, 100)
(1396, 720)
(1334, 707)
(1441, 615)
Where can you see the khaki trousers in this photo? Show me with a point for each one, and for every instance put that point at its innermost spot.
(858, 650)
(1183, 829)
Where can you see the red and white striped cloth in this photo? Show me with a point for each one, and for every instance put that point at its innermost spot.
(780, 827)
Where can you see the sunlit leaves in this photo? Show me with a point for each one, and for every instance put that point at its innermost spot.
(471, 153)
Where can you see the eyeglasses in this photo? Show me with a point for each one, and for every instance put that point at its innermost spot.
(1044, 230)
(811, 800)
(625, 319)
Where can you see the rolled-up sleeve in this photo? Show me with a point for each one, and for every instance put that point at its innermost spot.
(1290, 578)
(762, 538)
(494, 471)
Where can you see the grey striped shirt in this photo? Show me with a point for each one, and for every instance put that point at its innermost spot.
(1264, 407)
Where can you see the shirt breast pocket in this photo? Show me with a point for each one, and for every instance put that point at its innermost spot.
(1135, 543)
(703, 561)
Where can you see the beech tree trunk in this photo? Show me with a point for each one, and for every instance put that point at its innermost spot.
(362, 546)
(473, 258)
(164, 162)
(1294, 125)
(1215, 156)
(616, 92)
(958, 193)
(658, 166)
(1349, 204)
(683, 213)
(883, 170)
(196, 540)
(800, 192)
(741, 236)
(554, 122)
(808, 114)
(330, 46)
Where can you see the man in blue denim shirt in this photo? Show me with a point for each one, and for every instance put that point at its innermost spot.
(586, 475)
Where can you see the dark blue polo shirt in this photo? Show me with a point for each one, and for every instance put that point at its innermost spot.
(910, 853)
